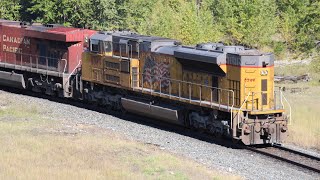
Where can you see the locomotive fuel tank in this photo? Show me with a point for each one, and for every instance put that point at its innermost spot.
(12, 79)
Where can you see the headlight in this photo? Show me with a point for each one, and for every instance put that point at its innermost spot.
(264, 72)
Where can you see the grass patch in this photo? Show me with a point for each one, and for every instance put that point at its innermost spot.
(297, 70)
(35, 147)
(305, 128)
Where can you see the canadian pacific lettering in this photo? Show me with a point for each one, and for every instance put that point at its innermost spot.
(11, 49)
(16, 40)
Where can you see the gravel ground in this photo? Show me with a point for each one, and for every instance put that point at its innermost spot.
(311, 152)
(237, 161)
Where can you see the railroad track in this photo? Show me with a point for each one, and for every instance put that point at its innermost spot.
(293, 157)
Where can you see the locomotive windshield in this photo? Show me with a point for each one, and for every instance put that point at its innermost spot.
(94, 46)
(99, 46)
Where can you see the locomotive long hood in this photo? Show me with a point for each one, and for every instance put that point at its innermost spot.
(201, 60)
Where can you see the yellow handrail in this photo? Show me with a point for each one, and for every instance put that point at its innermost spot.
(242, 106)
(290, 117)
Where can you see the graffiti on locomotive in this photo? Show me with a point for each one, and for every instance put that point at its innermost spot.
(156, 72)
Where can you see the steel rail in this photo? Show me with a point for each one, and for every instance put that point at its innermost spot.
(281, 147)
(293, 161)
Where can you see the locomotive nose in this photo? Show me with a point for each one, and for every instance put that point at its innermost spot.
(263, 133)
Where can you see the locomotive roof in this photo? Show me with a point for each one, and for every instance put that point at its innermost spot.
(192, 53)
(144, 37)
(39, 27)
(202, 55)
(249, 52)
(128, 35)
(50, 32)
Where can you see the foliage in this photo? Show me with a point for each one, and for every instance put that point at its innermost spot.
(177, 19)
(279, 48)
(250, 22)
(299, 23)
(9, 9)
(104, 15)
(292, 25)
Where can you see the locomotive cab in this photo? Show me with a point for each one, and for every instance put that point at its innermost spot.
(260, 114)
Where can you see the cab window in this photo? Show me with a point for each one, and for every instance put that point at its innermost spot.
(94, 45)
(107, 46)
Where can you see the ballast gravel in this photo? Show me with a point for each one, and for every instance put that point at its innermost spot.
(237, 161)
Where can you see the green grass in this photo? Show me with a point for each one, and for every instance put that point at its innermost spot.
(305, 128)
(35, 147)
(296, 70)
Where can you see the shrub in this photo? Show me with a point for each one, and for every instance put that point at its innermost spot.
(279, 48)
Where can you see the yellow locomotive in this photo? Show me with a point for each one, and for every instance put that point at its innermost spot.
(224, 90)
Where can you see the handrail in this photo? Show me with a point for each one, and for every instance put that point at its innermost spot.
(181, 81)
(261, 104)
(6, 52)
(238, 119)
(30, 64)
(260, 99)
(79, 64)
(65, 66)
(290, 109)
(196, 84)
(231, 120)
(228, 106)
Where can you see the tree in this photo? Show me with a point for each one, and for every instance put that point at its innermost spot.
(284, 24)
(299, 24)
(95, 14)
(9, 9)
(177, 19)
(104, 15)
(249, 22)
(136, 13)
(25, 14)
(67, 12)
(309, 27)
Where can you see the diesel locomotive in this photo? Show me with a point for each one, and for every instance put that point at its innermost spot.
(224, 90)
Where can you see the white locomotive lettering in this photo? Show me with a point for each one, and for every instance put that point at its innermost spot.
(16, 40)
(11, 49)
